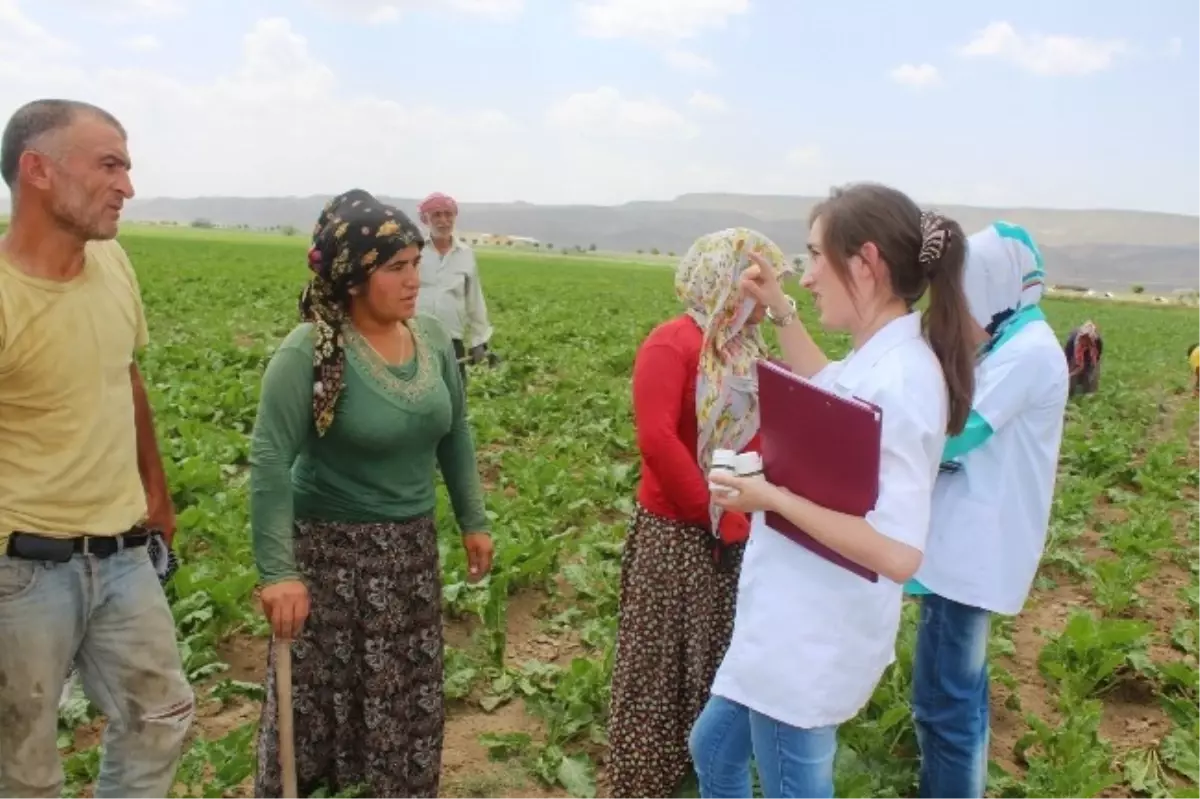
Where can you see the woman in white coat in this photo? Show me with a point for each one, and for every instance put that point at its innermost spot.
(811, 639)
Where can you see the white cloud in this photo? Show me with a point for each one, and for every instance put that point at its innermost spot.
(915, 75)
(21, 37)
(256, 126)
(127, 10)
(711, 103)
(491, 9)
(655, 20)
(606, 113)
(1173, 47)
(145, 43)
(805, 156)
(1040, 54)
(255, 123)
(263, 115)
(156, 8)
(379, 12)
(688, 62)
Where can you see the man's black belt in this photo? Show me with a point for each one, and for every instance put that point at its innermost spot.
(31, 546)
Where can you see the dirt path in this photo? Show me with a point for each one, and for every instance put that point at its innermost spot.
(1132, 717)
(466, 769)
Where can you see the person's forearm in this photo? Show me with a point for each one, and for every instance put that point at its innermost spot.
(150, 466)
(850, 536)
(801, 353)
(271, 516)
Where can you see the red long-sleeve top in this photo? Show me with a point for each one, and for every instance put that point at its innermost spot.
(664, 411)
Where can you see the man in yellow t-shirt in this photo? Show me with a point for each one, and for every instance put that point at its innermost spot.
(81, 480)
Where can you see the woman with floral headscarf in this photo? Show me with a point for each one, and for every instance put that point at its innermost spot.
(360, 404)
(693, 393)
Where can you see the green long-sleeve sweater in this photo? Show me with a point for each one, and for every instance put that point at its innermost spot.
(393, 426)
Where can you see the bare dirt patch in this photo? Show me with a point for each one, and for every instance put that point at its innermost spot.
(466, 769)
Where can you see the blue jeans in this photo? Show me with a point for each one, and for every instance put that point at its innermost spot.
(791, 761)
(109, 617)
(950, 697)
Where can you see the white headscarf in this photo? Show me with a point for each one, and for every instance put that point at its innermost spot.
(1004, 272)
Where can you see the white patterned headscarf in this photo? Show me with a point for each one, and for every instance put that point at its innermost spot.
(706, 280)
(1004, 273)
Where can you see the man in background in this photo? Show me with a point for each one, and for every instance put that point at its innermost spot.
(81, 480)
(450, 287)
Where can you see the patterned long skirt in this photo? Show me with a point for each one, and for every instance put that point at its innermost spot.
(367, 666)
(674, 624)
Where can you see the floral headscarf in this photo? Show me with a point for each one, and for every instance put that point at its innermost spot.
(355, 235)
(706, 280)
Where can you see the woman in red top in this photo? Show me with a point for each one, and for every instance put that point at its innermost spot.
(693, 392)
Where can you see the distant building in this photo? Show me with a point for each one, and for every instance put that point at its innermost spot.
(502, 240)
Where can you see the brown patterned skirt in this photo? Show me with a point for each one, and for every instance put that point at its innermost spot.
(674, 624)
(367, 666)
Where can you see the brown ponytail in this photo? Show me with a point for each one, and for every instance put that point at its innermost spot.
(947, 321)
(923, 252)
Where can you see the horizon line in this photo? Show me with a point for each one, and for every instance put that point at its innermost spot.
(813, 197)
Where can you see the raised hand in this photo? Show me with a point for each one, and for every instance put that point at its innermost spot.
(759, 283)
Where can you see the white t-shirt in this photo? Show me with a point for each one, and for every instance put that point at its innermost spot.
(989, 519)
(451, 292)
(811, 640)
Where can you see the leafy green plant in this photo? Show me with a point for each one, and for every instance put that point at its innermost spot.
(1070, 759)
(1092, 654)
(214, 768)
(1116, 581)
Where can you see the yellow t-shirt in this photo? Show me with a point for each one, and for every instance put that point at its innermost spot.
(68, 443)
(1194, 359)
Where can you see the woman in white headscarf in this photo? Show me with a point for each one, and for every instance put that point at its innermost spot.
(693, 392)
(991, 507)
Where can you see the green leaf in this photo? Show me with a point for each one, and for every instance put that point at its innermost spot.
(575, 774)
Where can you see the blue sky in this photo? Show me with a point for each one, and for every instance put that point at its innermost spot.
(1053, 104)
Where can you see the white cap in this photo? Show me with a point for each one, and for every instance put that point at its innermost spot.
(747, 463)
(724, 457)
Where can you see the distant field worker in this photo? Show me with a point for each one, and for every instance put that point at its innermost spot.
(360, 404)
(693, 392)
(1084, 349)
(450, 287)
(1194, 363)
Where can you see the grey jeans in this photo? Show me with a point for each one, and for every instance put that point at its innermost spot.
(111, 618)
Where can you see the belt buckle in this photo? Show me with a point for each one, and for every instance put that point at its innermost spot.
(88, 539)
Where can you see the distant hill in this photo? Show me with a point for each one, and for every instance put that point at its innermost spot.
(1100, 249)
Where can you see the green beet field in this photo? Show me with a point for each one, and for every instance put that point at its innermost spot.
(1095, 684)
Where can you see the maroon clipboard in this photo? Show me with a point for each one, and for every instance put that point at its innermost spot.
(821, 446)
